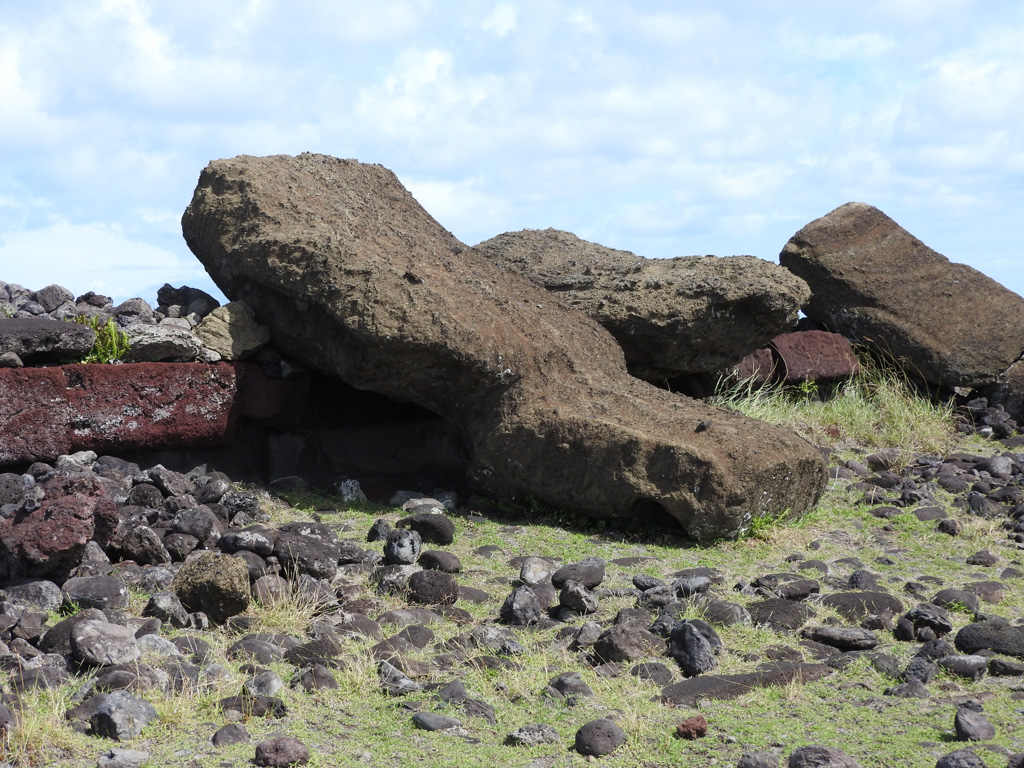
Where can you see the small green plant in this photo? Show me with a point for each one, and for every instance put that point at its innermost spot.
(808, 389)
(762, 527)
(111, 342)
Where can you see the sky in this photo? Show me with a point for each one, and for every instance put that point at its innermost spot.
(662, 128)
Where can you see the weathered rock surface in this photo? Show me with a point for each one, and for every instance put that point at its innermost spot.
(689, 314)
(873, 281)
(814, 356)
(690, 691)
(599, 737)
(51, 538)
(122, 716)
(357, 280)
(40, 340)
(162, 343)
(47, 412)
(215, 584)
(818, 756)
(232, 331)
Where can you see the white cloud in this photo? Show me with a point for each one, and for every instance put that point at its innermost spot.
(917, 12)
(584, 22)
(751, 183)
(421, 95)
(697, 27)
(26, 123)
(360, 22)
(832, 47)
(978, 89)
(463, 206)
(503, 20)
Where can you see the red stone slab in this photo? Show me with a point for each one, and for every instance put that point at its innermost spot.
(45, 412)
(759, 366)
(815, 356)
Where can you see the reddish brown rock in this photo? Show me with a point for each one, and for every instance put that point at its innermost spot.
(356, 280)
(691, 728)
(758, 367)
(51, 538)
(815, 356)
(45, 412)
(800, 356)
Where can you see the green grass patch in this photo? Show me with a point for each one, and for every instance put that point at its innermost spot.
(879, 409)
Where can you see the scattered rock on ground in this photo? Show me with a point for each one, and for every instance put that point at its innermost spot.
(599, 738)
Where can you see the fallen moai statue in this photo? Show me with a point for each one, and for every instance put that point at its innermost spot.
(691, 314)
(355, 279)
(875, 283)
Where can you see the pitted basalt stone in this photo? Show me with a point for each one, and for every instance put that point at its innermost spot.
(356, 280)
(433, 588)
(101, 644)
(589, 572)
(52, 537)
(402, 547)
(95, 592)
(141, 544)
(232, 331)
(122, 716)
(217, 585)
(521, 607)
(625, 643)
(306, 554)
(599, 738)
(44, 340)
(689, 314)
(12, 488)
(161, 343)
(999, 636)
(432, 528)
(817, 756)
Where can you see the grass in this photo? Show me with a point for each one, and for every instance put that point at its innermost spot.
(879, 410)
(358, 725)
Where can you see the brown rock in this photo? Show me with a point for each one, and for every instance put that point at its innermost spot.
(873, 281)
(815, 356)
(216, 584)
(280, 751)
(1008, 390)
(51, 538)
(46, 412)
(355, 279)
(690, 314)
(691, 728)
(688, 692)
(759, 366)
